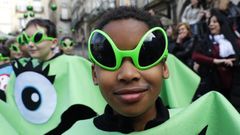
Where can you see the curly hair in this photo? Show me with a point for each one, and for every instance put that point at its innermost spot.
(126, 12)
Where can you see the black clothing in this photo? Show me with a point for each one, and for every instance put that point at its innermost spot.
(184, 51)
(110, 122)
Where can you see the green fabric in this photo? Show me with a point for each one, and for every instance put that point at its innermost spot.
(211, 110)
(73, 84)
(6, 128)
(179, 88)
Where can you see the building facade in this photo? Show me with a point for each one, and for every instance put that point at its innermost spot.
(85, 13)
(15, 14)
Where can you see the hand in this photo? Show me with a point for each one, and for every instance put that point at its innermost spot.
(180, 38)
(228, 62)
(202, 13)
(196, 66)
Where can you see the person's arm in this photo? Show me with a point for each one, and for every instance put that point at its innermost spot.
(201, 58)
(184, 18)
(198, 16)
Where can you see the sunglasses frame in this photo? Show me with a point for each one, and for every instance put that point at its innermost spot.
(14, 45)
(134, 54)
(20, 40)
(67, 46)
(31, 39)
(2, 58)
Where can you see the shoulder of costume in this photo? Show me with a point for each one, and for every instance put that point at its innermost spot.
(211, 114)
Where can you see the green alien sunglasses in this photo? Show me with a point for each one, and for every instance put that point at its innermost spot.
(67, 43)
(150, 51)
(14, 47)
(37, 37)
(3, 58)
(20, 40)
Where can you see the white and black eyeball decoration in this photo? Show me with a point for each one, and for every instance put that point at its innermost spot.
(34, 93)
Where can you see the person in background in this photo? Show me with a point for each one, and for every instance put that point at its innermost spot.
(184, 44)
(48, 73)
(14, 49)
(192, 15)
(40, 39)
(67, 45)
(171, 33)
(232, 12)
(216, 55)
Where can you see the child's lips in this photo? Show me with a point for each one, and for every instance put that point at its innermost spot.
(130, 95)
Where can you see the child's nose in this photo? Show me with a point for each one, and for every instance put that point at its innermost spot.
(128, 72)
(30, 45)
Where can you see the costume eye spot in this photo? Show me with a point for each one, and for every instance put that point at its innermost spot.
(35, 95)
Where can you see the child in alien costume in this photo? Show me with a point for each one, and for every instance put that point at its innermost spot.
(51, 96)
(129, 51)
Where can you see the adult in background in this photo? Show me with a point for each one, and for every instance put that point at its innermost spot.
(217, 55)
(192, 15)
(184, 44)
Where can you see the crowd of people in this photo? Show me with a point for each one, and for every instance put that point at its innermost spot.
(207, 40)
(129, 51)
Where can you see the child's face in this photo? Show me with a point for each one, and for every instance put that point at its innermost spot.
(15, 51)
(67, 47)
(129, 91)
(41, 50)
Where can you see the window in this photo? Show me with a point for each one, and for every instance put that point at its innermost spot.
(37, 6)
(21, 6)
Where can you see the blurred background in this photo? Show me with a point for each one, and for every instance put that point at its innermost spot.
(76, 18)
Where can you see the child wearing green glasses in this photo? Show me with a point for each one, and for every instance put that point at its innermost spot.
(14, 48)
(67, 45)
(128, 50)
(40, 37)
(49, 87)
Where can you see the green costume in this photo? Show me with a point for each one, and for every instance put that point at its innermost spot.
(212, 114)
(36, 99)
(63, 85)
(179, 88)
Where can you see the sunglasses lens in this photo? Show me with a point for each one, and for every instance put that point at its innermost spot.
(15, 48)
(101, 50)
(64, 45)
(38, 37)
(152, 48)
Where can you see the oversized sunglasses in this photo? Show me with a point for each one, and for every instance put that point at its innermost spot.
(3, 58)
(150, 50)
(14, 48)
(20, 40)
(36, 38)
(67, 43)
